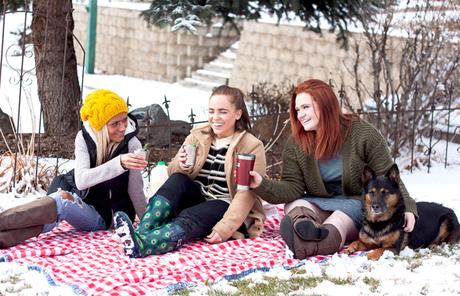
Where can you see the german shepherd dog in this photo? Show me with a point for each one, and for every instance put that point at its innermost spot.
(383, 221)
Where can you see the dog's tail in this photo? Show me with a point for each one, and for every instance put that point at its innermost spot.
(453, 228)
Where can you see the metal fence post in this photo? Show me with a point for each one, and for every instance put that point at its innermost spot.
(166, 103)
(448, 123)
(91, 36)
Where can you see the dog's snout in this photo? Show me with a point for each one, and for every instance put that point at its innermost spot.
(376, 207)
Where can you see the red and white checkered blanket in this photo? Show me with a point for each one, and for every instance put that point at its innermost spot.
(93, 262)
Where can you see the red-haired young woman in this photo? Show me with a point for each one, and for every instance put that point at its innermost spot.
(322, 165)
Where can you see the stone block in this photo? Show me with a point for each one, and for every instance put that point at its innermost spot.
(210, 42)
(261, 65)
(315, 60)
(186, 39)
(293, 69)
(288, 30)
(197, 51)
(307, 46)
(274, 66)
(176, 49)
(286, 56)
(300, 57)
(260, 28)
(272, 54)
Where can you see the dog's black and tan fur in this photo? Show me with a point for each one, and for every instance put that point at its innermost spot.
(383, 221)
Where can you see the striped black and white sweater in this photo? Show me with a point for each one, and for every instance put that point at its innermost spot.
(211, 177)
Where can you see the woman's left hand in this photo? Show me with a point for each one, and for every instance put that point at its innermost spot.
(409, 221)
(213, 238)
(132, 161)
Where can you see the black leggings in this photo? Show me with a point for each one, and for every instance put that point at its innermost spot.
(196, 215)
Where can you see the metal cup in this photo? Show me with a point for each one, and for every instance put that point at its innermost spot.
(244, 164)
(190, 149)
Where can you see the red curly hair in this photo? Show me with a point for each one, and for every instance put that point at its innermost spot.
(333, 125)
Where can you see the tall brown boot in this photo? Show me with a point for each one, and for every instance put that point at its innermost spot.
(301, 223)
(13, 237)
(38, 212)
(329, 245)
(307, 224)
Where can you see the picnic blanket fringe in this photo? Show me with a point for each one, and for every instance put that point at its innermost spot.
(93, 263)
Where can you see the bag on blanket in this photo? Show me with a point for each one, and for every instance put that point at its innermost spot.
(66, 182)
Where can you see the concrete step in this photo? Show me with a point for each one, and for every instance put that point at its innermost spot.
(207, 78)
(224, 59)
(214, 73)
(221, 64)
(227, 69)
(203, 83)
(228, 54)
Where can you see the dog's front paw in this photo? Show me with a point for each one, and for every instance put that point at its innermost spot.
(374, 255)
(353, 247)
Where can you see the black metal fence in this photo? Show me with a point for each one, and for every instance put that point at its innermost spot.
(411, 141)
(412, 145)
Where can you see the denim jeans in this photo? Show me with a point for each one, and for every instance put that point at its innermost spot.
(77, 213)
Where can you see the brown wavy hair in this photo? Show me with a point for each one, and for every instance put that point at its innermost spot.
(237, 99)
(333, 125)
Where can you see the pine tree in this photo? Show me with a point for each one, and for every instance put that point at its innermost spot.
(187, 14)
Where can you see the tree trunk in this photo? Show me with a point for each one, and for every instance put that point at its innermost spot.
(56, 65)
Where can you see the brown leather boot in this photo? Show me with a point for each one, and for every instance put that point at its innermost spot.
(307, 224)
(13, 237)
(329, 245)
(38, 212)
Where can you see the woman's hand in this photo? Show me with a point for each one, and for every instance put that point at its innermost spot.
(182, 157)
(409, 221)
(213, 238)
(256, 179)
(132, 161)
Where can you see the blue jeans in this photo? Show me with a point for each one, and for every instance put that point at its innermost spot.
(77, 213)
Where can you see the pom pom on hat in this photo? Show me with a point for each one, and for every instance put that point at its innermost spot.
(100, 106)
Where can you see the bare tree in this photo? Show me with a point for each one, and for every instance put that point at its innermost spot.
(414, 64)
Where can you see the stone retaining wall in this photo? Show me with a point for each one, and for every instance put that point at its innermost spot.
(126, 45)
(276, 53)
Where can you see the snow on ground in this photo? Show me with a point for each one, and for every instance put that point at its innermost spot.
(414, 273)
(431, 274)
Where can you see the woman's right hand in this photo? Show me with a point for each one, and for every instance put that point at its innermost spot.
(182, 157)
(256, 179)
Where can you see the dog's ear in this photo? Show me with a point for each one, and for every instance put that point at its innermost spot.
(393, 174)
(368, 174)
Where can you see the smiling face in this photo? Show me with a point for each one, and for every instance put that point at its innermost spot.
(307, 111)
(117, 127)
(222, 115)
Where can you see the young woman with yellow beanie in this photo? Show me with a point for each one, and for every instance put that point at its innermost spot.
(106, 178)
(201, 201)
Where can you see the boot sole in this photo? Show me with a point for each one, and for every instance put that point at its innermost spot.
(131, 247)
(287, 232)
(307, 230)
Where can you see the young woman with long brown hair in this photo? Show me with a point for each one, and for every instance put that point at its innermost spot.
(321, 179)
(201, 201)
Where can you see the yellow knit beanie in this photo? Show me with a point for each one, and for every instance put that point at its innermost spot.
(100, 106)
